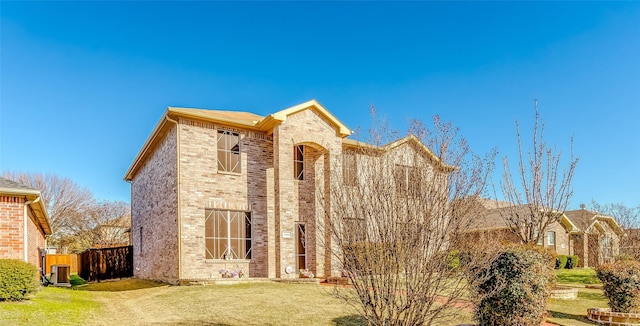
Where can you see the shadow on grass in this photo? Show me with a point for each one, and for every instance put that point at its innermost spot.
(562, 315)
(352, 320)
(120, 285)
(193, 322)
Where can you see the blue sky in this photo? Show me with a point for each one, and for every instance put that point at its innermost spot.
(82, 84)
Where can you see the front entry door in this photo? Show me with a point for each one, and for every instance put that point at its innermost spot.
(301, 247)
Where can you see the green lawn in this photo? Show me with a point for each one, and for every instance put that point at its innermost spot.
(577, 276)
(141, 302)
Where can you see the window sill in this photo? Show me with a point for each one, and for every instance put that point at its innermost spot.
(229, 173)
(218, 261)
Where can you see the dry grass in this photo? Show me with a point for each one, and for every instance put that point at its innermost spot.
(140, 302)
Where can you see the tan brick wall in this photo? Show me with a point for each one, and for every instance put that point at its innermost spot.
(562, 244)
(325, 149)
(202, 187)
(11, 227)
(154, 213)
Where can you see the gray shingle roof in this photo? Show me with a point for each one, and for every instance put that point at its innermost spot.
(11, 186)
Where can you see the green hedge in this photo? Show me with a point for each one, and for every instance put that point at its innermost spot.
(561, 261)
(513, 289)
(621, 285)
(17, 279)
(568, 262)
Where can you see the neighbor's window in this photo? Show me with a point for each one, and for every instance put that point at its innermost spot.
(551, 238)
(227, 234)
(228, 151)
(298, 162)
(349, 169)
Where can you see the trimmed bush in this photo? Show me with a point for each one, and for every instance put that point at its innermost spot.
(17, 279)
(561, 261)
(454, 260)
(513, 289)
(621, 285)
(572, 262)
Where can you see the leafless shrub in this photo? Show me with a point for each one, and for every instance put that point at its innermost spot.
(397, 219)
(541, 189)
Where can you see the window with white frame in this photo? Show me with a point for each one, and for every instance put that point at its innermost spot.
(228, 144)
(227, 234)
(551, 238)
(298, 162)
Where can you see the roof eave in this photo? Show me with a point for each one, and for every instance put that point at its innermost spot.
(175, 112)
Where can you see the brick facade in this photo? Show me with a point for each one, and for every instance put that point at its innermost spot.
(12, 245)
(176, 179)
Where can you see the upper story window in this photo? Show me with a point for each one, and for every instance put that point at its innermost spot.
(228, 151)
(298, 162)
(349, 169)
(407, 181)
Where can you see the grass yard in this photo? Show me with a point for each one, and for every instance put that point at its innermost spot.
(141, 302)
(577, 276)
(574, 312)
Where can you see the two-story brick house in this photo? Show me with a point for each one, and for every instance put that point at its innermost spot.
(215, 190)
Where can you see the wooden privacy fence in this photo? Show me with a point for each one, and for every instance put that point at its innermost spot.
(59, 259)
(106, 263)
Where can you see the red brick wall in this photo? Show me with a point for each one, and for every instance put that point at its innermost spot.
(35, 242)
(12, 231)
(11, 227)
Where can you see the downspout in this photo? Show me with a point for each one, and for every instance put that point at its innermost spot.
(25, 243)
(178, 194)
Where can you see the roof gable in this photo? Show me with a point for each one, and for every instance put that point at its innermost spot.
(12, 188)
(274, 119)
(408, 140)
(587, 220)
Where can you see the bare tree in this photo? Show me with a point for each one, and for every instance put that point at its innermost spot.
(541, 190)
(67, 203)
(396, 220)
(110, 221)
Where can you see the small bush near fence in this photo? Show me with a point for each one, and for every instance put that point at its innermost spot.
(513, 290)
(17, 279)
(621, 285)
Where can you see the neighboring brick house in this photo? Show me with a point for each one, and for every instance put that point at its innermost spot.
(593, 237)
(599, 238)
(24, 223)
(235, 190)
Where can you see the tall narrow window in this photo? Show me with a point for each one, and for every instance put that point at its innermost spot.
(227, 234)
(228, 151)
(298, 162)
(349, 169)
(301, 246)
(141, 241)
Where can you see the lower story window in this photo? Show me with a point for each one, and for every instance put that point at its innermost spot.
(227, 234)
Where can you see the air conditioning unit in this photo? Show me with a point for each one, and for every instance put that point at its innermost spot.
(60, 274)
